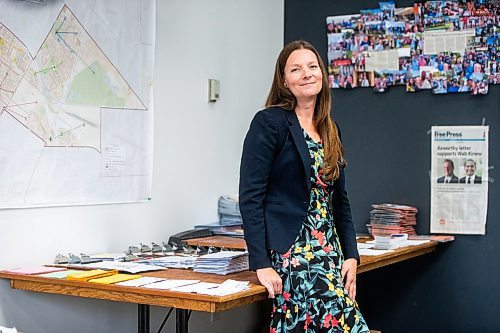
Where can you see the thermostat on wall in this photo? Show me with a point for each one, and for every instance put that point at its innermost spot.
(213, 90)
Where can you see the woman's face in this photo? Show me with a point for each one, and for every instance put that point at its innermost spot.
(303, 76)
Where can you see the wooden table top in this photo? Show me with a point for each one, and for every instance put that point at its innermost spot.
(140, 295)
(220, 241)
(184, 300)
(367, 262)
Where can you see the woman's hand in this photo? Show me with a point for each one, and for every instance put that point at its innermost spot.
(348, 272)
(271, 280)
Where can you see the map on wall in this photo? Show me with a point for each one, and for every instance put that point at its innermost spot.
(75, 120)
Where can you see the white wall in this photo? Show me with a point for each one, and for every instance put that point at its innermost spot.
(197, 150)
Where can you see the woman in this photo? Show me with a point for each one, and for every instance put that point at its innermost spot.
(363, 81)
(410, 85)
(295, 210)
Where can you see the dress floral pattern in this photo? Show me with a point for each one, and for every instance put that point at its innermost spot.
(313, 297)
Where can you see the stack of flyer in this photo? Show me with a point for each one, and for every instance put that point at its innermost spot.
(223, 262)
(388, 219)
(182, 261)
(230, 223)
(390, 242)
(229, 210)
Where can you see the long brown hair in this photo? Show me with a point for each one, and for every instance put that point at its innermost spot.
(280, 96)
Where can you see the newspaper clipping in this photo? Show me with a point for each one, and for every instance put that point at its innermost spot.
(459, 179)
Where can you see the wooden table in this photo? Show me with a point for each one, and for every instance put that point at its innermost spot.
(184, 303)
(367, 262)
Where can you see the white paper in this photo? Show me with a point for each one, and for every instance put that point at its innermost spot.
(200, 287)
(222, 255)
(77, 83)
(457, 153)
(446, 41)
(372, 252)
(169, 284)
(142, 281)
(228, 287)
(414, 242)
(124, 266)
(382, 60)
(172, 261)
(365, 246)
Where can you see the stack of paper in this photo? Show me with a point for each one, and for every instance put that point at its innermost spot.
(390, 242)
(229, 210)
(172, 261)
(387, 219)
(230, 223)
(223, 262)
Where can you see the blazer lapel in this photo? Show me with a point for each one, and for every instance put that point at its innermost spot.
(300, 143)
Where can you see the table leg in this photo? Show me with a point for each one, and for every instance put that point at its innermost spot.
(143, 318)
(181, 320)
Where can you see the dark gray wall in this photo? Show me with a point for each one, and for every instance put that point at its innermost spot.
(388, 150)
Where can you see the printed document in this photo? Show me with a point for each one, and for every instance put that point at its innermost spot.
(459, 179)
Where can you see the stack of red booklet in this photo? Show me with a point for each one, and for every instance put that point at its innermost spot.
(387, 219)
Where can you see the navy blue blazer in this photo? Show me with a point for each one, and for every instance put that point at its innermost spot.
(275, 184)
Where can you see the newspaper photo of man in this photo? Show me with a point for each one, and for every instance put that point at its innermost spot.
(470, 173)
(449, 176)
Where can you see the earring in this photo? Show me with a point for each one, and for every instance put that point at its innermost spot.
(286, 85)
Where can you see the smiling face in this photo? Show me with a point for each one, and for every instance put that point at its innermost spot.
(302, 73)
(447, 168)
(470, 168)
(477, 68)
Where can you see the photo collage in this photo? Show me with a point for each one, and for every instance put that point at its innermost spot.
(440, 46)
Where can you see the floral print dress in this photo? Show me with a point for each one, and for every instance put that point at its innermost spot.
(313, 297)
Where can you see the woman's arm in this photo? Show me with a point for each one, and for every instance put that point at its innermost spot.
(343, 218)
(342, 215)
(347, 235)
(259, 151)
